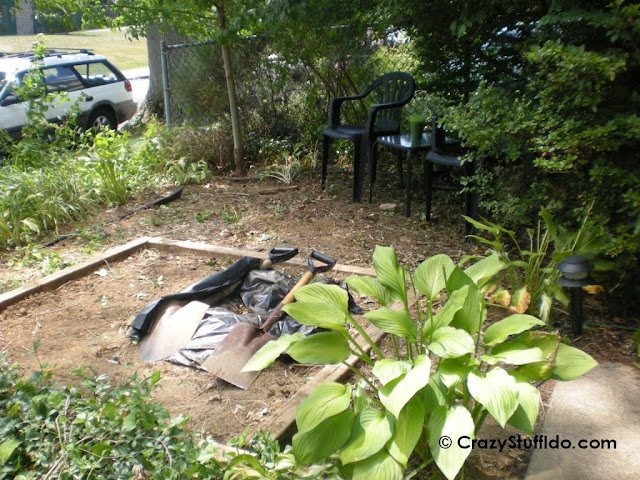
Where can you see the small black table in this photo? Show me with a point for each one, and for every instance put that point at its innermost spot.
(401, 143)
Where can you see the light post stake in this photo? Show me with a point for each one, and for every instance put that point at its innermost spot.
(575, 275)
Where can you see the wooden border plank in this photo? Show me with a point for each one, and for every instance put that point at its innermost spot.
(214, 250)
(51, 282)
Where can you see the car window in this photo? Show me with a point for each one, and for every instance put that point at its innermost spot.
(61, 79)
(96, 74)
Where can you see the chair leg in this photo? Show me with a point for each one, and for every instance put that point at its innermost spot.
(325, 159)
(373, 166)
(358, 167)
(428, 188)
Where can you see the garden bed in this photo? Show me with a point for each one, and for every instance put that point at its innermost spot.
(80, 318)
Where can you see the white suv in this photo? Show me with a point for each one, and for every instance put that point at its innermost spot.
(101, 91)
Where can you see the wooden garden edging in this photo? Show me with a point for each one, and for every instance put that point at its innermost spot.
(51, 282)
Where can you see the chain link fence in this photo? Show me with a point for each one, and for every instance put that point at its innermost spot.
(276, 97)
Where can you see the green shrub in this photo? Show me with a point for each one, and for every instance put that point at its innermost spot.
(211, 144)
(447, 372)
(565, 135)
(91, 430)
(37, 200)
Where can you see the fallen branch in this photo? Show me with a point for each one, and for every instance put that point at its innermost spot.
(271, 191)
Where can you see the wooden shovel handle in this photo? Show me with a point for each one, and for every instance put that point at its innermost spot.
(290, 298)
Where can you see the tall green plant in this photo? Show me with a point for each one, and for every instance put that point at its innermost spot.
(448, 371)
(532, 271)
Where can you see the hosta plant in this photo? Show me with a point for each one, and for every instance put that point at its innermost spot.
(447, 371)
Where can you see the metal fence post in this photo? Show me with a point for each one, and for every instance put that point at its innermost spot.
(165, 82)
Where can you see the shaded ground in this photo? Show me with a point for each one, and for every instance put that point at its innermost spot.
(234, 214)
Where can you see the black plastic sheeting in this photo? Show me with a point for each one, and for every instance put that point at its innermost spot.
(259, 293)
(241, 293)
(200, 290)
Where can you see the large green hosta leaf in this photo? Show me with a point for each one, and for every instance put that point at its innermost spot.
(322, 293)
(449, 342)
(324, 347)
(446, 426)
(446, 315)
(480, 272)
(389, 272)
(473, 312)
(514, 353)
(512, 325)
(323, 402)
(381, 466)
(371, 430)
(369, 286)
(435, 393)
(453, 371)
(395, 395)
(317, 314)
(571, 363)
(497, 392)
(388, 369)
(315, 445)
(526, 414)
(545, 341)
(270, 351)
(430, 276)
(457, 279)
(407, 431)
(395, 322)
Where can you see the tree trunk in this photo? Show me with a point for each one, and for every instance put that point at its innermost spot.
(238, 147)
(153, 104)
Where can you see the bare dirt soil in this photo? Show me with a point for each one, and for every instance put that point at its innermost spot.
(84, 323)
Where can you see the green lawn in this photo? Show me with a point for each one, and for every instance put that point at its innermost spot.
(123, 53)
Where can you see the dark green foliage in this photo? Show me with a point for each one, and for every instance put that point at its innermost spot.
(562, 128)
(91, 430)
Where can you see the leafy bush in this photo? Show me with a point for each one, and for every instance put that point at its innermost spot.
(36, 200)
(91, 430)
(211, 144)
(94, 429)
(447, 373)
(568, 126)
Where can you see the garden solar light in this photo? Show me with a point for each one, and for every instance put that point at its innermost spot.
(575, 275)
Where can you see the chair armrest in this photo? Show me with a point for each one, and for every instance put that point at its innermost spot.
(334, 108)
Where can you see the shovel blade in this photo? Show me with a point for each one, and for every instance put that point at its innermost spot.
(172, 331)
(228, 359)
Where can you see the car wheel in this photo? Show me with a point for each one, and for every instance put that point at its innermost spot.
(102, 118)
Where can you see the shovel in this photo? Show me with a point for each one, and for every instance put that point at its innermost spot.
(178, 321)
(243, 341)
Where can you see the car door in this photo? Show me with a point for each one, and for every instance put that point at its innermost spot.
(13, 113)
(66, 87)
(104, 84)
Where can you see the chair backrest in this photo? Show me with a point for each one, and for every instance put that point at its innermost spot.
(394, 87)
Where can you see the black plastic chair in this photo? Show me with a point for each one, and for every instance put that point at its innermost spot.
(392, 91)
(447, 154)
